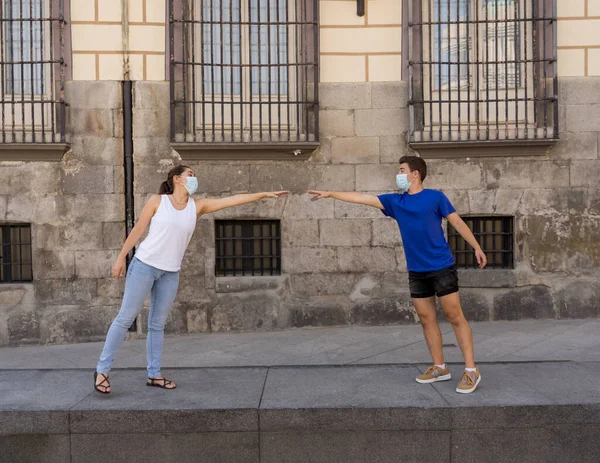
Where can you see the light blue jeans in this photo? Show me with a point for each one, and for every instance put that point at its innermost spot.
(141, 280)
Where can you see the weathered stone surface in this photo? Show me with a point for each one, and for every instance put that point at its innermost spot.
(526, 174)
(366, 259)
(97, 122)
(153, 150)
(318, 313)
(151, 95)
(344, 96)
(250, 283)
(508, 201)
(389, 95)
(386, 233)
(72, 237)
(21, 208)
(94, 264)
(300, 179)
(331, 284)
(113, 235)
(381, 122)
(376, 177)
(101, 94)
(475, 304)
(585, 173)
(392, 148)
(197, 320)
(88, 180)
(582, 118)
(348, 232)
(110, 288)
(95, 208)
(302, 207)
(579, 91)
(119, 180)
(518, 304)
(580, 299)
(75, 324)
(459, 199)
(336, 123)
(152, 122)
(384, 311)
(552, 201)
(300, 233)
(345, 210)
(250, 312)
(355, 150)
(582, 145)
(91, 150)
(269, 208)
(309, 260)
(336, 178)
(50, 448)
(29, 178)
(486, 278)
(66, 291)
(3, 207)
(53, 264)
(451, 174)
(23, 327)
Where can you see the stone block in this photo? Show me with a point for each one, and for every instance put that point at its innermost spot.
(580, 299)
(482, 202)
(401, 258)
(113, 235)
(119, 180)
(151, 95)
(250, 283)
(12, 295)
(23, 328)
(29, 178)
(3, 207)
(585, 173)
(392, 148)
(95, 122)
(101, 94)
(318, 313)
(197, 320)
(508, 201)
(353, 447)
(475, 304)
(389, 95)
(459, 199)
(302, 207)
(366, 259)
(526, 174)
(336, 123)
(386, 233)
(344, 96)
(153, 150)
(21, 208)
(71, 237)
(552, 201)
(74, 323)
(152, 122)
(579, 90)
(95, 264)
(355, 150)
(335, 178)
(96, 208)
(378, 312)
(522, 303)
(49, 265)
(65, 291)
(465, 175)
(573, 145)
(269, 208)
(91, 150)
(309, 260)
(582, 118)
(295, 178)
(300, 233)
(249, 312)
(347, 232)
(49, 448)
(329, 284)
(110, 288)
(487, 278)
(378, 177)
(381, 122)
(19, 422)
(345, 210)
(223, 178)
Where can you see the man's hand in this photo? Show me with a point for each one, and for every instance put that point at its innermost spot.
(118, 269)
(319, 194)
(276, 194)
(481, 259)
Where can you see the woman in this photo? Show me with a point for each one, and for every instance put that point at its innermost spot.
(172, 216)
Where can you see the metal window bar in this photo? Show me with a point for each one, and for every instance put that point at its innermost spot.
(482, 70)
(32, 71)
(494, 234)
(247, 247)
(15, 253)
(244, 71)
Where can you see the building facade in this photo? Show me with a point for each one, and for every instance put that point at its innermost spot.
(102, 98)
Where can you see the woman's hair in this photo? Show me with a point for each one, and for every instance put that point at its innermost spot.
(166, 187)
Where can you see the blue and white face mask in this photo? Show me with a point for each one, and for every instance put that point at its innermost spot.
(191, 185)
(402, 182)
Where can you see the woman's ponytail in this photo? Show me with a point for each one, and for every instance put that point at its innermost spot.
(167, 187)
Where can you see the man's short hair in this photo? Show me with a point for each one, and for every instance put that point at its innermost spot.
(415, 163)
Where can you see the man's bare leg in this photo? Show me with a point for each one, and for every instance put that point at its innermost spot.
(426, 311)
(453, 311)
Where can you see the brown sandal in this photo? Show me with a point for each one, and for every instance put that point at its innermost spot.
(163, 383)
(104, 383)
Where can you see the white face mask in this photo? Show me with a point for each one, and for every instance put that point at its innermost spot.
(191, 184)
(402, 182)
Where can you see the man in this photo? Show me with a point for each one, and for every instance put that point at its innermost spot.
(430, 262)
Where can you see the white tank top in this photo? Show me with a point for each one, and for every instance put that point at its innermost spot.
(170, 233)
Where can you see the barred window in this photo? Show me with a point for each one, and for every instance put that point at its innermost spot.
(244, 72)
(482, 70)
(32, 59)
(15, 253)
(494, 234)
(248, 247)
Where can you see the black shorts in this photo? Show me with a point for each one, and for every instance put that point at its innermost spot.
(439, 283)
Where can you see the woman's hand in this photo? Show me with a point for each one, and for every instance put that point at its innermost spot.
(319, 194)
(118, 269)
(276, 194)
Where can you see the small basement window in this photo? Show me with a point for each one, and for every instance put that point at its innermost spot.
(494, 234)
(15, 253)
(247, 247)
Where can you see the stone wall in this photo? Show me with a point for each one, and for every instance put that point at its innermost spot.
(342, 263)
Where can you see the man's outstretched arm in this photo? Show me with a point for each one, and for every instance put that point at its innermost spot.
(349, 197)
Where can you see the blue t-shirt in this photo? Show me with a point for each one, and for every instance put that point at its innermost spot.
(419, 217)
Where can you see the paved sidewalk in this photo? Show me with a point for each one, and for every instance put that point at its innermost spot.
(519, 341)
